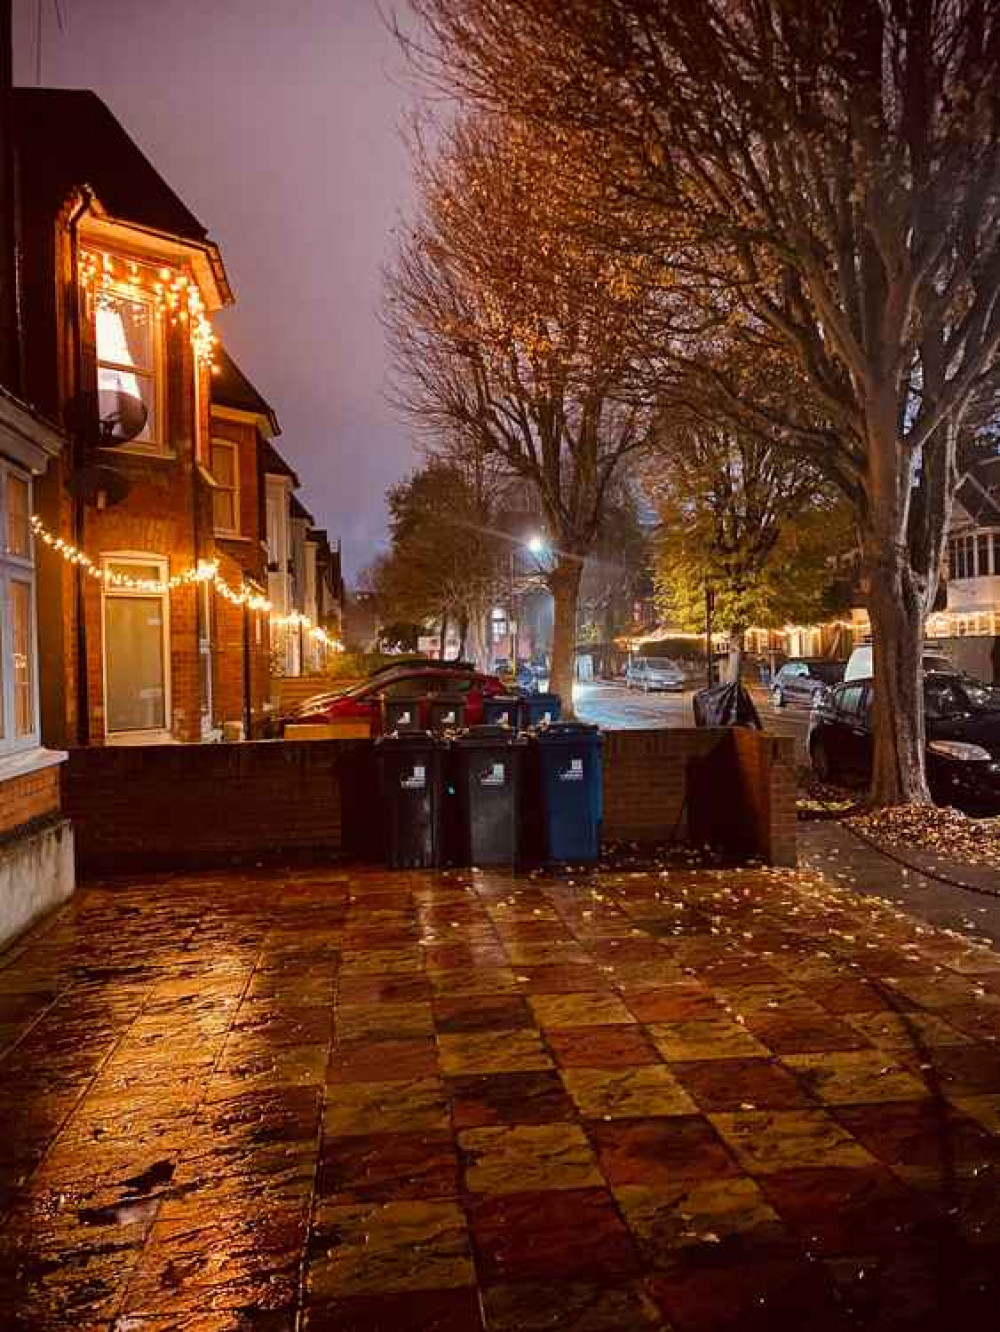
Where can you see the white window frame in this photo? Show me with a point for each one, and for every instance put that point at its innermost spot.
(16, 569)
(157, 446)
(220, 441)
(155, 735)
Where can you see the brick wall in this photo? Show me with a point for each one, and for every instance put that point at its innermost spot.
(728, 788)
(28, 799)
(174, 805)
(160, 806)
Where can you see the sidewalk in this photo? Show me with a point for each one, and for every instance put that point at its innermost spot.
(378, 1102)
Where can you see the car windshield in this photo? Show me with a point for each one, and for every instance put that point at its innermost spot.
(949, 696)
(830, 672)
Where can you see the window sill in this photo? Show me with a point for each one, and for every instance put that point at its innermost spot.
(139, 738)
(131, 451)
(233, 536)
(26, 761)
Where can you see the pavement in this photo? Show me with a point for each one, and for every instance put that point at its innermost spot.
(594, 1102)
(614, 707)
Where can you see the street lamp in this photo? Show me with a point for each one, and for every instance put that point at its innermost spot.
(536, 544)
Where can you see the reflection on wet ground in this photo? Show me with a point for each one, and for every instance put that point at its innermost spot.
(598, 1103)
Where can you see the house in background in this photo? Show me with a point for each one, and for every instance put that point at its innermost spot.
(238, 672)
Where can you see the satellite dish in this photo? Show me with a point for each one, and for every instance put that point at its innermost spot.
(100, 485)
(108, 418)
(122, 416)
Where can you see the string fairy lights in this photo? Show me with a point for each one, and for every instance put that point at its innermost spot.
(205, 571)
(173, 295)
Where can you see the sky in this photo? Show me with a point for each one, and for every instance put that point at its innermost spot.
(278, 124)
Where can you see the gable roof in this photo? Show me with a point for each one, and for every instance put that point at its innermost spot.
(82, 143)
(68, 140)
(231, 388)
(299, 510)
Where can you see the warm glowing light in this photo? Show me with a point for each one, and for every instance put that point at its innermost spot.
(205, 571)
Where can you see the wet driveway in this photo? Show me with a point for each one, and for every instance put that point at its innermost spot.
(433, 1103)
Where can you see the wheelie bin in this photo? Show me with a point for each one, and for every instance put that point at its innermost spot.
(486, 775)
(400, 714)
(569, 791)
(411, 782)
(445, 712)
(540, 709)
(502, 710)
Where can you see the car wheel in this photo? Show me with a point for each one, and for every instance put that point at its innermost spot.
(777, 698)
(820, 756)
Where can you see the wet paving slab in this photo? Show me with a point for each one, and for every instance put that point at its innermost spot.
(599, 1102)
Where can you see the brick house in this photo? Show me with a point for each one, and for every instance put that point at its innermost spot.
(36, 842)
(243, 425)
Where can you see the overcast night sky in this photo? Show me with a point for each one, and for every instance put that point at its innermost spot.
(277, 122)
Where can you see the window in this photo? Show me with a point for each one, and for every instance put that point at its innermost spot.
(849, 700)
(136, 652)
(128, 361)
(226, 496)
(18, 652)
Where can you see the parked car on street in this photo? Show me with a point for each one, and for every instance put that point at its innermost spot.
(963, 739)
(805, 680)
(648, 673)
(363, 701)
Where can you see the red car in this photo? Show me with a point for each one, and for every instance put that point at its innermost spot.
(363, 702)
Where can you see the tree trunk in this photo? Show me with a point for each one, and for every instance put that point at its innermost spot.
(735, 663)
(444, 637)
(463, 635)
(897, 608)
(564, 580)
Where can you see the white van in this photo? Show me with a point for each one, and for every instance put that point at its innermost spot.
(859, 663)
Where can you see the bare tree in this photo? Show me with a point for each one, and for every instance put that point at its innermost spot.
(831, 171)
(513, 343)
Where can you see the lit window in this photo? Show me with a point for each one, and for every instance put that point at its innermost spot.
(136, 648)
(127, 367)
(18, 649)
(226, 496)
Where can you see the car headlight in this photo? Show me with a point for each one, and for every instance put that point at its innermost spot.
(958, 749)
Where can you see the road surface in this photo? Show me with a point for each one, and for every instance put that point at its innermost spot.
(614, 707)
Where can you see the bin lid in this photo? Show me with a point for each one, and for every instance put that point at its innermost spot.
(545, 699)
(446, 700)
(487, 736)
(567, 733)
(408, 740)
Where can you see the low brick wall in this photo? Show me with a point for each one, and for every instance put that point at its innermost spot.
(202, 805)
(36, 849)
(729, 788)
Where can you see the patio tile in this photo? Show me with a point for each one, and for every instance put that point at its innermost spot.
(388, 1167)
(522, 1158)
(489, 1099)
(631, 1093)
(733, 1213)
(784, 1139)
(385, 1107)
(704, 1038)
(374, 1061)
(926, 1135)
(498, 1012)
(579, 1010)
(855, 1076)
(659, 1151)
(571, 1306)
(550, 1235)
(852, 1210)
(741, 1084)
(387, 1247)
(601, 1047)
(492, 1052)
(455, 1310)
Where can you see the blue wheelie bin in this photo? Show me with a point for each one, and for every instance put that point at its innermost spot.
(540, 709)
(569, 788)
(502, 710)
(411, 769)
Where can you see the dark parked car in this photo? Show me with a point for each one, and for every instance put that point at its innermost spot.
(963, 739)
(805, 680)
(363, 701)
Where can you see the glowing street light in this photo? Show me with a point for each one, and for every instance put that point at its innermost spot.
(536, 544)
